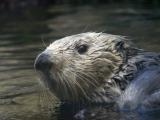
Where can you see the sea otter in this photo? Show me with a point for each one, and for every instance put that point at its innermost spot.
(100, 68)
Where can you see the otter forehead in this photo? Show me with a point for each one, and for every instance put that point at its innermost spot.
(89, 38)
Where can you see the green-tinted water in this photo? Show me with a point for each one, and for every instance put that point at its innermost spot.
(25, 33)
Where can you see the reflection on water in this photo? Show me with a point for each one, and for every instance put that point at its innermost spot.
(24, 34)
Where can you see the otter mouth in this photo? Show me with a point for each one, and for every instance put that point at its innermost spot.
(47, 81)
(43, 66)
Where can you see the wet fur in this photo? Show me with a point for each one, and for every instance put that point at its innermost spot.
(102, 74)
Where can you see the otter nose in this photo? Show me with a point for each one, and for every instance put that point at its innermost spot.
(43, 62)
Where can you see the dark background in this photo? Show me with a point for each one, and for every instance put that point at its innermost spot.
(21, 4)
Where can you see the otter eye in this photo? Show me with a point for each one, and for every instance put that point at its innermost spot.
(82, 49)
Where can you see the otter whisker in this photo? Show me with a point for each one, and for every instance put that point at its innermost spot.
(44, 99)
(85, 80)
(70, 88)
(82, 90)
(91, 80)
(81, 87)
(74, 84)
(43, 42)
(62, 84)
(69, 85)
(85, 28)
(71, 81)
(49, 97)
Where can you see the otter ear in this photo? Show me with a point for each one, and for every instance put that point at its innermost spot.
(120, 46)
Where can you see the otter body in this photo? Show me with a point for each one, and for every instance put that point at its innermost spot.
(100, 68)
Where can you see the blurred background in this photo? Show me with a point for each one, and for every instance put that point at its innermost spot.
(28, 26)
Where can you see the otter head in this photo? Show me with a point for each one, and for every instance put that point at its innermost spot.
(76, 67)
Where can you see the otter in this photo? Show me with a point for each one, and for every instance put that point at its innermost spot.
(100, 68)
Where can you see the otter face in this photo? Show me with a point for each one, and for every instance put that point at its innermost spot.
(75, 67)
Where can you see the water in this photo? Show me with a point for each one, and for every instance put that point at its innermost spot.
(24, 34)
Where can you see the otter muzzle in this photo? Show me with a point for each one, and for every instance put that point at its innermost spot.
(43, 62)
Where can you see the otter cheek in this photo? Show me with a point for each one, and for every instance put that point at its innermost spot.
(104, 67)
